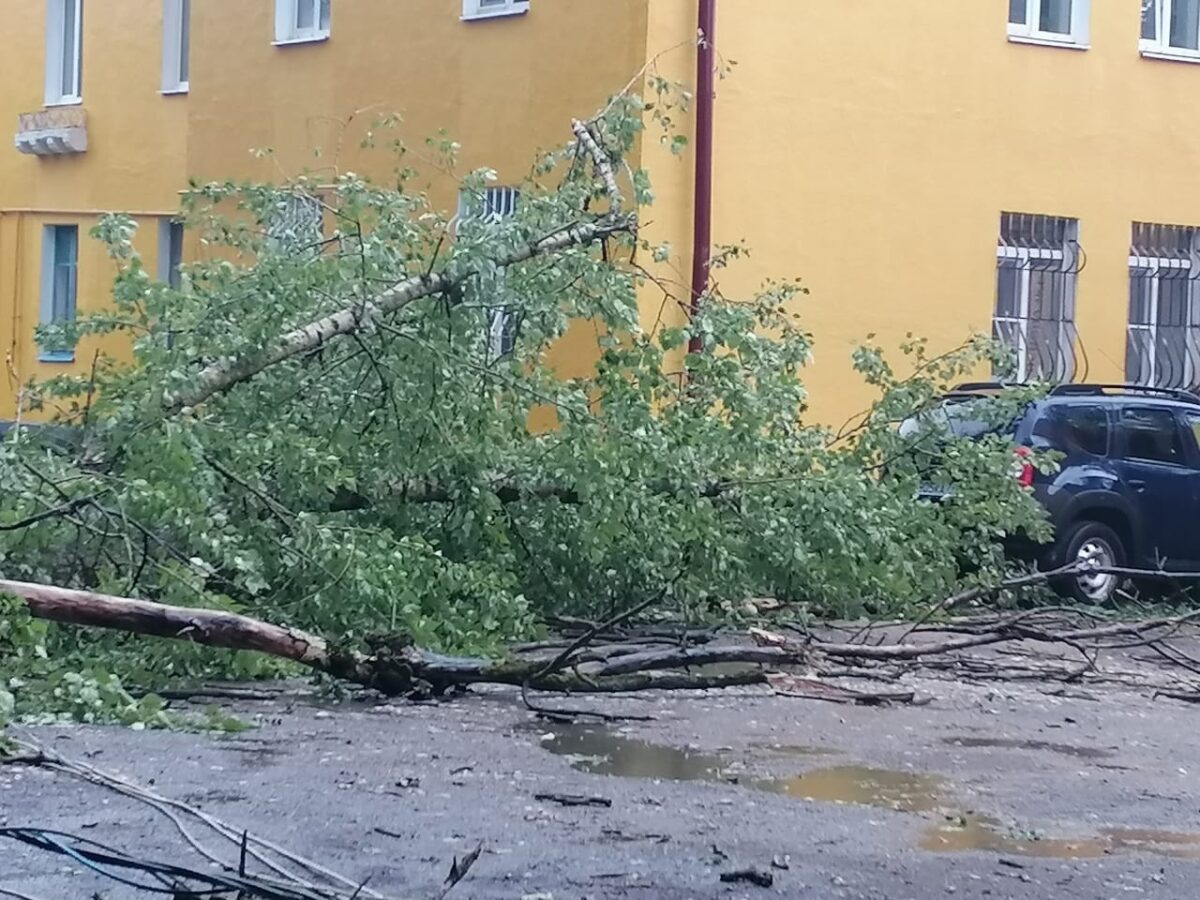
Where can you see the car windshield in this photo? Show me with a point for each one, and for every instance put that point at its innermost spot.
(963, 418)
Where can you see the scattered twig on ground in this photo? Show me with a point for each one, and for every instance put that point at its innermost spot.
(9, 892)
(616, 834)
(570, 714)
(806, 688)
(757, 877)
(1186, 696)
(286, 884)
(218, 693)
(160, 877)
(562, 659)
(978, 593)
(459, 869)
(261, 850)
(573, 799)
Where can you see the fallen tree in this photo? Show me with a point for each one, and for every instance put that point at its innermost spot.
(361, 425)
(393, 665)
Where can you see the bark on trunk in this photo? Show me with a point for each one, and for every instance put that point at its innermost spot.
(394, 667)
(223, 374)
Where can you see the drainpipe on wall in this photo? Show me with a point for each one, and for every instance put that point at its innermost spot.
(702, 199)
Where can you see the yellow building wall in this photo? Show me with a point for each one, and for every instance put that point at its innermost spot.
(671, 55)
(503, 88)
(135, 161)
(869, 147)
(866, 146)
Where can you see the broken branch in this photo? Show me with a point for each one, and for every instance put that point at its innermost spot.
(395, 667)
(224, 374)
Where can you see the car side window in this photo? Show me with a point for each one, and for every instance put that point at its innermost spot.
(1152, 435)
(1073, 429)
(1193, 421)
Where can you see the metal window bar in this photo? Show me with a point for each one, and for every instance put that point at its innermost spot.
(503, 323)
(297, 223)
(1162, 347)
(1037, 260)
(66, 259)
(500, 203)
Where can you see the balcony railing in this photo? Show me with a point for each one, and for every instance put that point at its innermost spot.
(52, 132)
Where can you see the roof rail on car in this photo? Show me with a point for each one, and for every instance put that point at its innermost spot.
(967, 386)
(1093, 389)
(973, 389)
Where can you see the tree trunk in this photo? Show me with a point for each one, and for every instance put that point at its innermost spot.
(394, 666)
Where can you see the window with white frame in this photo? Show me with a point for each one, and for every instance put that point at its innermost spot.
(177, 39)
(170, 251)
(60, 264)
(1050, 21)
(484, 9)
(1171, 27)
(170, 262)
(493, 205)
(64, 51)
(1037, 261)
(301, 20)
(1162, 348)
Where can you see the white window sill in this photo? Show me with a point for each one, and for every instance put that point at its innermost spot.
(303, 39)
(1183, 56)
(495, 14)
(172, 91)
(1047, 42)
(65, 101)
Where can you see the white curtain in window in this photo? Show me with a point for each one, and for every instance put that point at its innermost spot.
(305, 18)
(63, 50)
(1185, 24)
(65, 256)
(185, 38)
(68, 43)
(1149, 20)
(1056, 16)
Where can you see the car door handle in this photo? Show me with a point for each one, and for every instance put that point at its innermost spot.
(1138, 485)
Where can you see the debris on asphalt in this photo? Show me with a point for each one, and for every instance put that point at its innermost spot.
(573, 799)
(757, 877)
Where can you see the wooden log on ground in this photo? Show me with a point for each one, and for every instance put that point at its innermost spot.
(393, 666)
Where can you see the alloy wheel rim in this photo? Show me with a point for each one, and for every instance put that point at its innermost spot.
(1096, 553)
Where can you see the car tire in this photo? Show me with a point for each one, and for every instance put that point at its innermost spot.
(1081, 542)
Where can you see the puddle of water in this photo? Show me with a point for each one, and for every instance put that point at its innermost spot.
(902, 791)
(1015, 744)
(603, 752)
(982, 833)
(795, 749)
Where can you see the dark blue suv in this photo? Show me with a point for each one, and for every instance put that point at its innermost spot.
(1127, 492)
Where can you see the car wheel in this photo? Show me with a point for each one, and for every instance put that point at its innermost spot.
(1089, 543)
